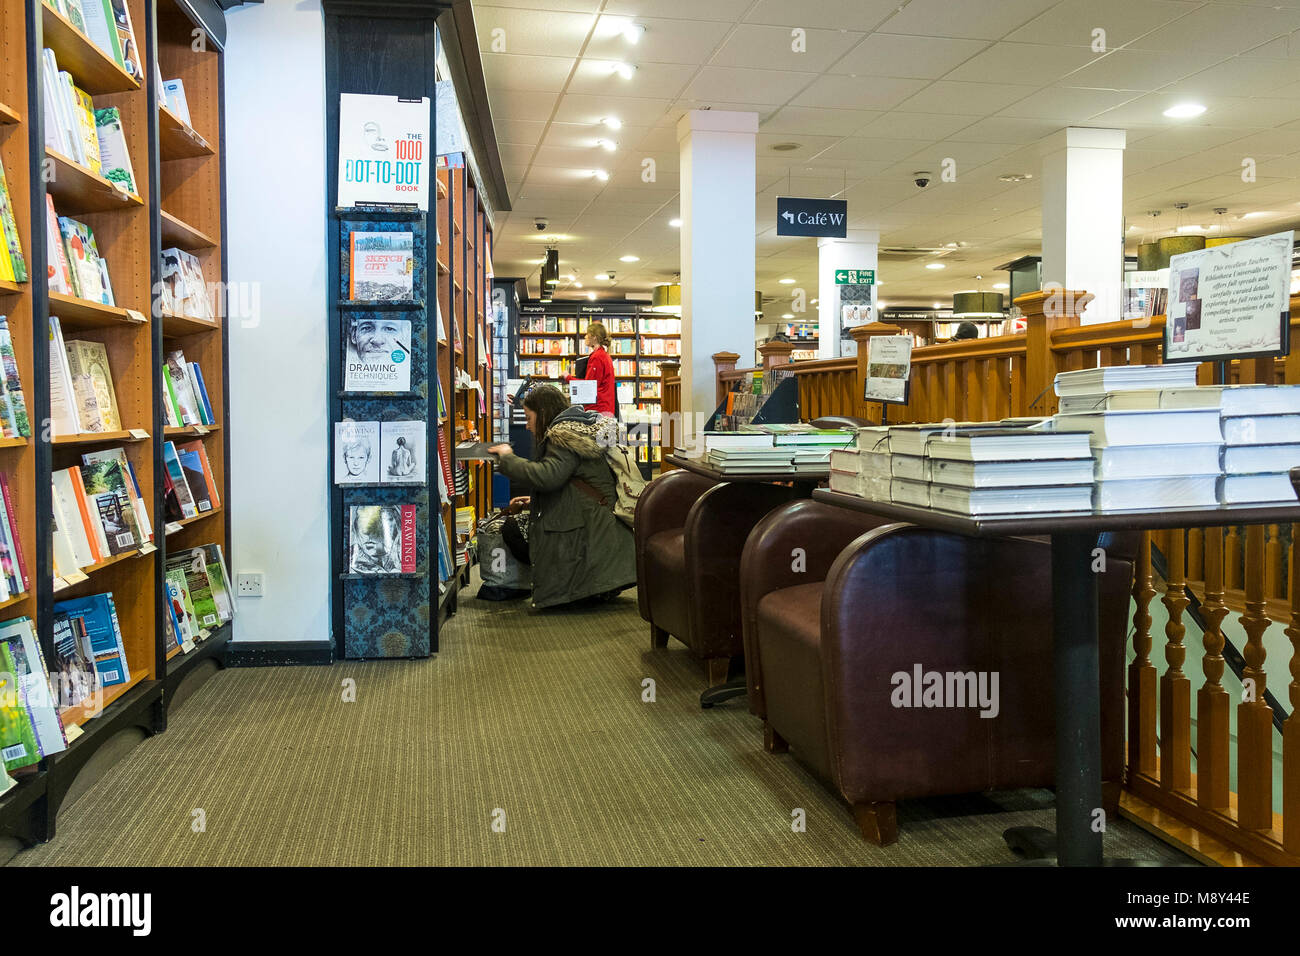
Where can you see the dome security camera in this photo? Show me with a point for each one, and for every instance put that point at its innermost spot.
(541, 223)
(922, 178)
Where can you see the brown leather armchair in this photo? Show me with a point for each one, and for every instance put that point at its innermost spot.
(822, 658)
(690, 532)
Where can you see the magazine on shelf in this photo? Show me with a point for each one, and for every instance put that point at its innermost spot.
(381, 266)
(357, 453)
(378, 355)
(381, 539)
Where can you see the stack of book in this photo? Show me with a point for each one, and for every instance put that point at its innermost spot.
(774, 449)
(30, 727)
(87, 628)
(13, 405)
(189, 488)
(98, 512)
(1261, 434)
(14, 579)
(184, 290)
(185, 394)
(75, 265)
(199, 597)
(74, 128)
(82, 398)
(13, 267)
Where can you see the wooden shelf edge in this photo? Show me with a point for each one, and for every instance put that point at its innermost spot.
(10, 116)
(183, 430)
(185, 522)
(70, 308)
(177, 232)
(123, 199)
(90, 438)
(96, 72)
(77, 714)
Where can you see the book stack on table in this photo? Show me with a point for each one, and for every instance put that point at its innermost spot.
(774, 449)
(1159, 440)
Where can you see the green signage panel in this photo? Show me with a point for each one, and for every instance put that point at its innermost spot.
(855, 276)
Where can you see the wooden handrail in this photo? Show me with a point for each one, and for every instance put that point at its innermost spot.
(997, 346)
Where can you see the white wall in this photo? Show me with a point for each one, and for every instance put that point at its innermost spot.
(275, 147)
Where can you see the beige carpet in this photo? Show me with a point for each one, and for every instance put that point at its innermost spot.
(534, 716)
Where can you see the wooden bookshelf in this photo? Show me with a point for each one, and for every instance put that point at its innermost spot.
(127, 228)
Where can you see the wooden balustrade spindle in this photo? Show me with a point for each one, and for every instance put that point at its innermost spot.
(1254, 716)
(1142, 673)
(1274, 587)
(1232, 560)
(1196, 554)
(1175, 687)
(1212, 700)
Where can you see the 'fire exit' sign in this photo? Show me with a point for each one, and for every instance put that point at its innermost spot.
(855, 276)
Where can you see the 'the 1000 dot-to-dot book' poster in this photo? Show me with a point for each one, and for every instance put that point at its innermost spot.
(383, 155)
(889, 368)
(1230, 301)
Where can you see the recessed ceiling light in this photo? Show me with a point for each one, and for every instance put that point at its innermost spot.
(591, 296)
(787, 282)
(1015, 177)
(786, 147)
(633, 33)
(625, 70)
(601, 175)
(1184, 110)
(936, 305)
(675, 223)
(788, 315)
(1001, 285)
(602, 276)
(629, 258)
(613, 122)
(935, 265)
(607, 144)
(814, 302)
(577, 285)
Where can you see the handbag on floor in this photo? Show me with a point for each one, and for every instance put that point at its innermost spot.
(505, 578)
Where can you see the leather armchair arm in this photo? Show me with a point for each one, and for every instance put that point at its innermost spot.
(663, 506)
(794, 544)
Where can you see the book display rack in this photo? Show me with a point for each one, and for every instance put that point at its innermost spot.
(171, 199)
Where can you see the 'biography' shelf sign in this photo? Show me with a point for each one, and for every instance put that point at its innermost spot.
(383, 150)
(1230, 301)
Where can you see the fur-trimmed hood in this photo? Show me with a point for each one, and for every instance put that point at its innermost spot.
(586, 434)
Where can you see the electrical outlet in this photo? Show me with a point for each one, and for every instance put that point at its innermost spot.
(249, 584)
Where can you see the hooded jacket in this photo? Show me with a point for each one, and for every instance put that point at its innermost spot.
(577, 547)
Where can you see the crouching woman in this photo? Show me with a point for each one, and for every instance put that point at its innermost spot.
(577, 548)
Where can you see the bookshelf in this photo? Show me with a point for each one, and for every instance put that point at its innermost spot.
(127, 227)
(640, 339)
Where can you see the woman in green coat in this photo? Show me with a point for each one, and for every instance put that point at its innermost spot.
(577, 548)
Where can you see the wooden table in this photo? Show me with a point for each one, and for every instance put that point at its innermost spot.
(1074, 626)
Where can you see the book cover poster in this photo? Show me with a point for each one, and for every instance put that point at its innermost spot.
(1230, 301)
(375, 539)
(889, 368)
(378, 355)
(402, 452)
(382, 266)
(382, 155)
(356, 453)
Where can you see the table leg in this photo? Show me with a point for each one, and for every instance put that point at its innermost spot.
(1078, 701)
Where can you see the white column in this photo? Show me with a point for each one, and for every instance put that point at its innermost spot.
(857, 250)
(1083, 217)
(717, 211)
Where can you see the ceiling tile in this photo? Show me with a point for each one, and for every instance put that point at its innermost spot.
(1131, 70)
(1072, 22)
(976, 19)
(531, 32)
(1219, 29)
(967, 99)
(736, 85)
(825, 14)
(549, 73)
(593, 77)
(664, 41)
(1013, 62)
(773, 48)
(846, 92)
(917, 57)
(918, 126)
(520, 104)
(632, 111)
(1068, 106)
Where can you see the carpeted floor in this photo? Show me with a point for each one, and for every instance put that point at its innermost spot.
(535, 719)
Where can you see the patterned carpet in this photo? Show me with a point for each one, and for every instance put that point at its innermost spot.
(531, 718)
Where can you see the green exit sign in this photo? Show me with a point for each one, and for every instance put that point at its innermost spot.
(855, 276)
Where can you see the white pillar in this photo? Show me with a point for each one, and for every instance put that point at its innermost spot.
(857, 250)
(718, 156)
(1083, 217)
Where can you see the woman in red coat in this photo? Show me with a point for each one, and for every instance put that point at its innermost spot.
(600, 368)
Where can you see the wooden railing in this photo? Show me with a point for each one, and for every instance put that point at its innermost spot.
(1251, 571)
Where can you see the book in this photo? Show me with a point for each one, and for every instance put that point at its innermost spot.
(16, 401)
(179, 485)
(114, 159)
(69, 495)
(219, 577)
(11, 549)
(1011, 474)
(84, 111)
(64, 419)
(378, 355)
(34, 681)
(1150, 494)
(106, 490)
(101, 28)
(186, 401)
(1155, 461)
(118, 455)
(357, 453)
(193, 451)
(1168, 426)
(1007, 444)
(84, 268)
(193, 467)
(92, 385)
(201, 394)
(174, 90)
(1256, 489)
(56, 257)
(18, 746)
(381, 266)
(1097, 381)
(1007, 501)
(11, 240)
(74, 661)
(182, 607)
(63, 557)
(1236, 400)
(184, 288)
(381, 539)
(99, 618)
(1261, 429)
(131, 61)
(195, 565)
(905, 491)
(1260, 459)
(402, 458)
